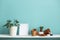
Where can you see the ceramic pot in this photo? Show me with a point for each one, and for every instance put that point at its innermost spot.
(13, 30)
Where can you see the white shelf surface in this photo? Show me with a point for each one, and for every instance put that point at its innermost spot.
(8, 36)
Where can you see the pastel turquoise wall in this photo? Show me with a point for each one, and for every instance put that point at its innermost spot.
(33, 12)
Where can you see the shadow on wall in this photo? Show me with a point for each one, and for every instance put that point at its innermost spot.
(4, 31)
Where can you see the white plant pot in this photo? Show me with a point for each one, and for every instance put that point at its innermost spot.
(41, 32)
(23, 29)
(13, 31)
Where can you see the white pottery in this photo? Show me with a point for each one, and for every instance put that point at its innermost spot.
(41, 32)
(13, 31)
(23, 29)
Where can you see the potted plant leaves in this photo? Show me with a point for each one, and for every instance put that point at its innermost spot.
(12, 26)
(41, 28)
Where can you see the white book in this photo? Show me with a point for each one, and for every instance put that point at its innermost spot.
(23, 29)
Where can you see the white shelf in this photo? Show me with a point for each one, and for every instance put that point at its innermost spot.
(7, 36)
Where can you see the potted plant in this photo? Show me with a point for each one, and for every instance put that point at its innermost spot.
(41, 28)
(41, 33)
(12, 26)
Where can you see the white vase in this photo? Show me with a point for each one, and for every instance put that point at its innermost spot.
(23, 29)
(13, 31)
(41, 32)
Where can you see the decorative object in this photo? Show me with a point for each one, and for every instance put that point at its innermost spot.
(51, 34)
(13, 30)
(34, 32)
(23, 29)
(12, 26)
(41, 33)
(47, 32)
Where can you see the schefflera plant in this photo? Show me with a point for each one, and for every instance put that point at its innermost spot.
(8, 24)
(16, 22)
(12, 26)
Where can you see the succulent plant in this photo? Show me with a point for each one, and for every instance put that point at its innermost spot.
(41, 28)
